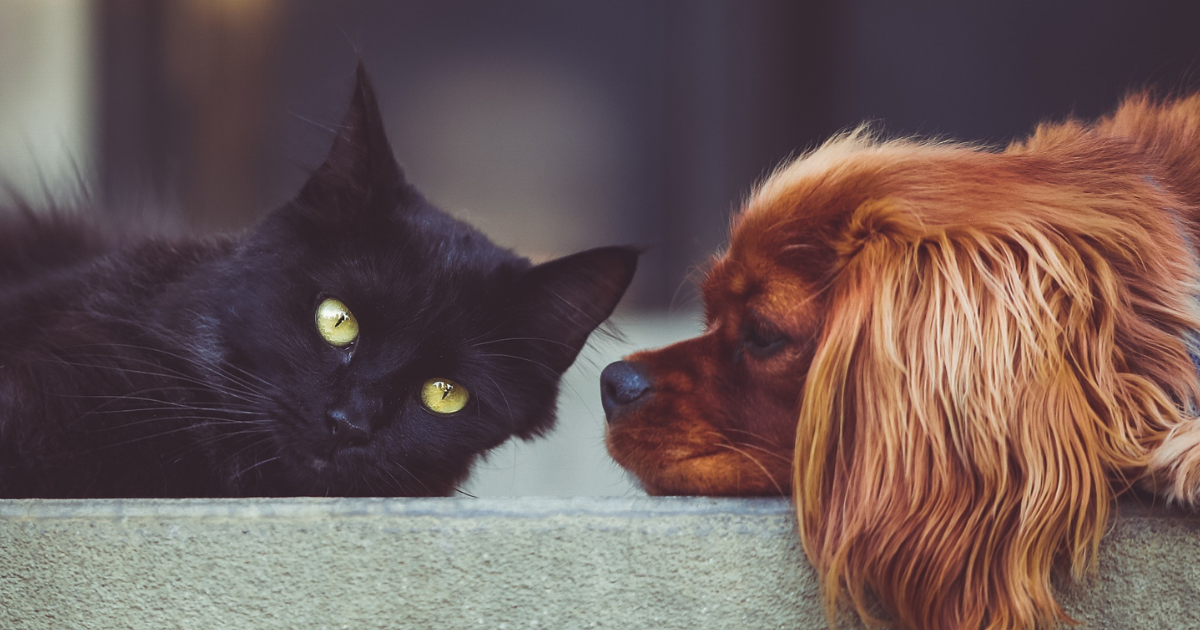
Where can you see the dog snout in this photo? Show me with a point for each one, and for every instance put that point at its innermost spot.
(622, 383)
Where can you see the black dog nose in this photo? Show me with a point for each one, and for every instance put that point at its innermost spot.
(620, 384)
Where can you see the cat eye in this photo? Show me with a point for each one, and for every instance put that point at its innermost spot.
(336, 323)
(443, 396)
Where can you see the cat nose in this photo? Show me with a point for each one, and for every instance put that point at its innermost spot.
(622, 383)
(348, 430)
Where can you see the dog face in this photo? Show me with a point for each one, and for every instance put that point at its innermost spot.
(952, 359)
(718, 414)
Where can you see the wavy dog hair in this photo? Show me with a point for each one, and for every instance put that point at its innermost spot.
(1007, 345)
(963, 356)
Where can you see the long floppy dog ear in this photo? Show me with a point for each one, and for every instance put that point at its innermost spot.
(966, 408)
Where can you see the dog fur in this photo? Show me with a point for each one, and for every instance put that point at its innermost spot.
(954, 359)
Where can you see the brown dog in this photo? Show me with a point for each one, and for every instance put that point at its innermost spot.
(953, 359)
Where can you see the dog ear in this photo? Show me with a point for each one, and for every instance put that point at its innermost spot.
(961, 417)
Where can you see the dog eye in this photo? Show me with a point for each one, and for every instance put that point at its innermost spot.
(763, 341)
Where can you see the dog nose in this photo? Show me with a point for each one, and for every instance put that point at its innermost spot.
(621, 383)
(346, 430)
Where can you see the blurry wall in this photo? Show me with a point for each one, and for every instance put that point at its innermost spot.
(185, 102)
(553, 126)
(45, 94)
(991, 70)
(557, 126)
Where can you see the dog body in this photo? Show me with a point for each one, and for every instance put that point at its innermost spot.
(953, 359)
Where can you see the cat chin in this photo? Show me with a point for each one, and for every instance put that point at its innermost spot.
(348, 472)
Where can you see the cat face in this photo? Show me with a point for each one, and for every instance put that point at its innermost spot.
(385, 343)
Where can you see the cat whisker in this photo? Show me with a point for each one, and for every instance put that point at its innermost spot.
(236, 387)
(539, 339)
(133, 397)
(558, 296)
(470, 343)
(229, 366)
(169, 374)
(168, 406)
(319, 125)
(206, 421)
(110, 399)
(262, 432)
(264, 436)
(143, 438)
(146, 390)
(205, 366)
(370, 486)
(380, 469)
(253, 427)
(500, 390)
(238, 474)
(526, 359)
(266, 439)
(409, 473)
(210, 389)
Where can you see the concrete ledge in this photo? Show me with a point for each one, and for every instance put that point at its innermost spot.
(486, 563)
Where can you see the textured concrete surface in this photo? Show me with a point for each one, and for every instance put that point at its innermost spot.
(486, 563)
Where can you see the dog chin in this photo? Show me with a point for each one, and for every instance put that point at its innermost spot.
(685, 481)
(710, 472)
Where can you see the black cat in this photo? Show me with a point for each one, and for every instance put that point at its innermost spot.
(358, 341)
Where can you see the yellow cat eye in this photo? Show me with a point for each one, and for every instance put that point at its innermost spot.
(443, 396)
(336, 323)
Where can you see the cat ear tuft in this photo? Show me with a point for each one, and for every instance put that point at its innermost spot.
(360, 171)
(564, 300)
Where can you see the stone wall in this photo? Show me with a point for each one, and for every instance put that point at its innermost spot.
(484, 563)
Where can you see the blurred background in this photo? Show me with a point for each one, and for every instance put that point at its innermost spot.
(553, 126)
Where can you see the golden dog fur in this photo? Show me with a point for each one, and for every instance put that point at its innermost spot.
(954, 359)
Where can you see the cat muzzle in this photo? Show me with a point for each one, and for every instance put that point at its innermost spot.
(346, 430)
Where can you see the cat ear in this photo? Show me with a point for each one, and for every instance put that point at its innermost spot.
(360, 171)
(564, 300)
